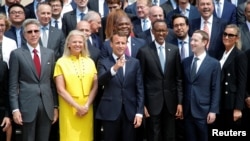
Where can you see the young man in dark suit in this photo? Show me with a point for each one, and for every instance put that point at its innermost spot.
(201, 89)
(121, 77)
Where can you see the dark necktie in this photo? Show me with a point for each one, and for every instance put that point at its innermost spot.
(81, 16)
(56, 24)
(194, 68)
(120, 71)
(37, 62)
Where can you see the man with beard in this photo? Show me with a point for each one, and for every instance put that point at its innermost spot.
(182, 39)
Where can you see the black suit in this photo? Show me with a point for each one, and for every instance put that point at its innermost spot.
(167, 7)
(233, 89)
(4, 101)
(69, 22)
(163, 90)
(31, 9)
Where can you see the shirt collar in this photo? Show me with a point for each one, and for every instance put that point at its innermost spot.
(31, 48)
(158, 45)
(210, 19)
(202, 56)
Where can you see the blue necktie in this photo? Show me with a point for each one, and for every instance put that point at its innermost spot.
(81, 16)
(56, 24)
(162, 58)
(194, 68)
(182, 50)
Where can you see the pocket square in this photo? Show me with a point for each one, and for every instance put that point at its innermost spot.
(48, 63)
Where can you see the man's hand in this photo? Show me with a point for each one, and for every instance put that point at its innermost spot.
(17, 117)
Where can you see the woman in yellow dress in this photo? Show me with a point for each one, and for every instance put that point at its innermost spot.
(76, 82)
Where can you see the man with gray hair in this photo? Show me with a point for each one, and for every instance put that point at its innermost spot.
(32, 93)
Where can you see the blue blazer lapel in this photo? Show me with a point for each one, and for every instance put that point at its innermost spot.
(203, 67)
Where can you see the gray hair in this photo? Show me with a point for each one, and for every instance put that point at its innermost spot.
(28, 22)
(91, 16)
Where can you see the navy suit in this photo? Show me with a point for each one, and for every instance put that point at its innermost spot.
(245, 37)
(136, 43)
(137, 28)
(93, 51)
(167, 7)
(69, 22)
(32, 13)
(11, 33)
(193, 14)
(123, 94)
(175, 42)
(216, 47)
(201, 96)
(94, 5)
(228, 13)
(131, 9)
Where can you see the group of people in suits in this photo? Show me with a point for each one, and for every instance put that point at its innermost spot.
(143, 75)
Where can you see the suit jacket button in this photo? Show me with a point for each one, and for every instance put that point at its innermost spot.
(228, 74)
(226, 92)
(226, 83)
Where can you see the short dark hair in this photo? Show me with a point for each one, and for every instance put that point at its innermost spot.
(61, 1)
(16, 5)
(158, 21)
(175, 16)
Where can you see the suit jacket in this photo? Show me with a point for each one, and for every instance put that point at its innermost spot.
(26, 10)
(228, 13)
(241, 19)
(137, 28)
(233, 80)
(161, 87)
(146, 35)
(4, 96)
(202, 94)
(216, 47)
(120, 92)
(94, 5)
(31, 9)
(69, 22)
(193, 14)
(136, 43)
(94, 52)
(11, 33)
(56, 41)
(167, 7)
(26, 88)
(175, 42)
(245, 37)
(248, 74)
(131, 9)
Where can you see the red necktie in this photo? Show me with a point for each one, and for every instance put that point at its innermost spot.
(127, 51)
(37, 62)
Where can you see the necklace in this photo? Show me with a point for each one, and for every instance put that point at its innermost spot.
(79, 67)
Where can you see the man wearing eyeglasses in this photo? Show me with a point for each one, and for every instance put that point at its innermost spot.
(32, 93)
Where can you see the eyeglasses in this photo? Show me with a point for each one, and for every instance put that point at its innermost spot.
(16, 12)
(181, 25)
(229, 35)
(32, 31)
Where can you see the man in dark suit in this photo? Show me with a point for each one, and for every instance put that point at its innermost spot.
(33, 97)
(161, 69)
(123, 92)
(185, 8)
(202, 89)
(182, 40)
(70, 19)
(142, 22)
(245, 34)
(55, 37)
(213, 25)
(227, 11)
(167, 7)
(16, 17)
(155, 13)
(240, 14)
(123, 24)
(131, 9)
(84, 26)
(5, 7)
(32, 7)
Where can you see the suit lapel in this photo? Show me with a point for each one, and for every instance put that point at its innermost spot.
(246, 31)
(44, 58)
(155, 56)
(203, 67)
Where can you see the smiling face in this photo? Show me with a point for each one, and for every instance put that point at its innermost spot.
(32, 34)
(123, 24)
(160, 32)
(197, 44)
(44, 13)
(180, 27)
(206, 8)
(230, 38)
(118, 44)
(76, 44)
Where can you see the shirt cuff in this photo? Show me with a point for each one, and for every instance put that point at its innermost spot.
(15, 110)
(113, 72)
(139, 115)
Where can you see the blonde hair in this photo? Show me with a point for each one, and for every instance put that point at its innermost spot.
(7, 22)
(85, 51)
(238, 44)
